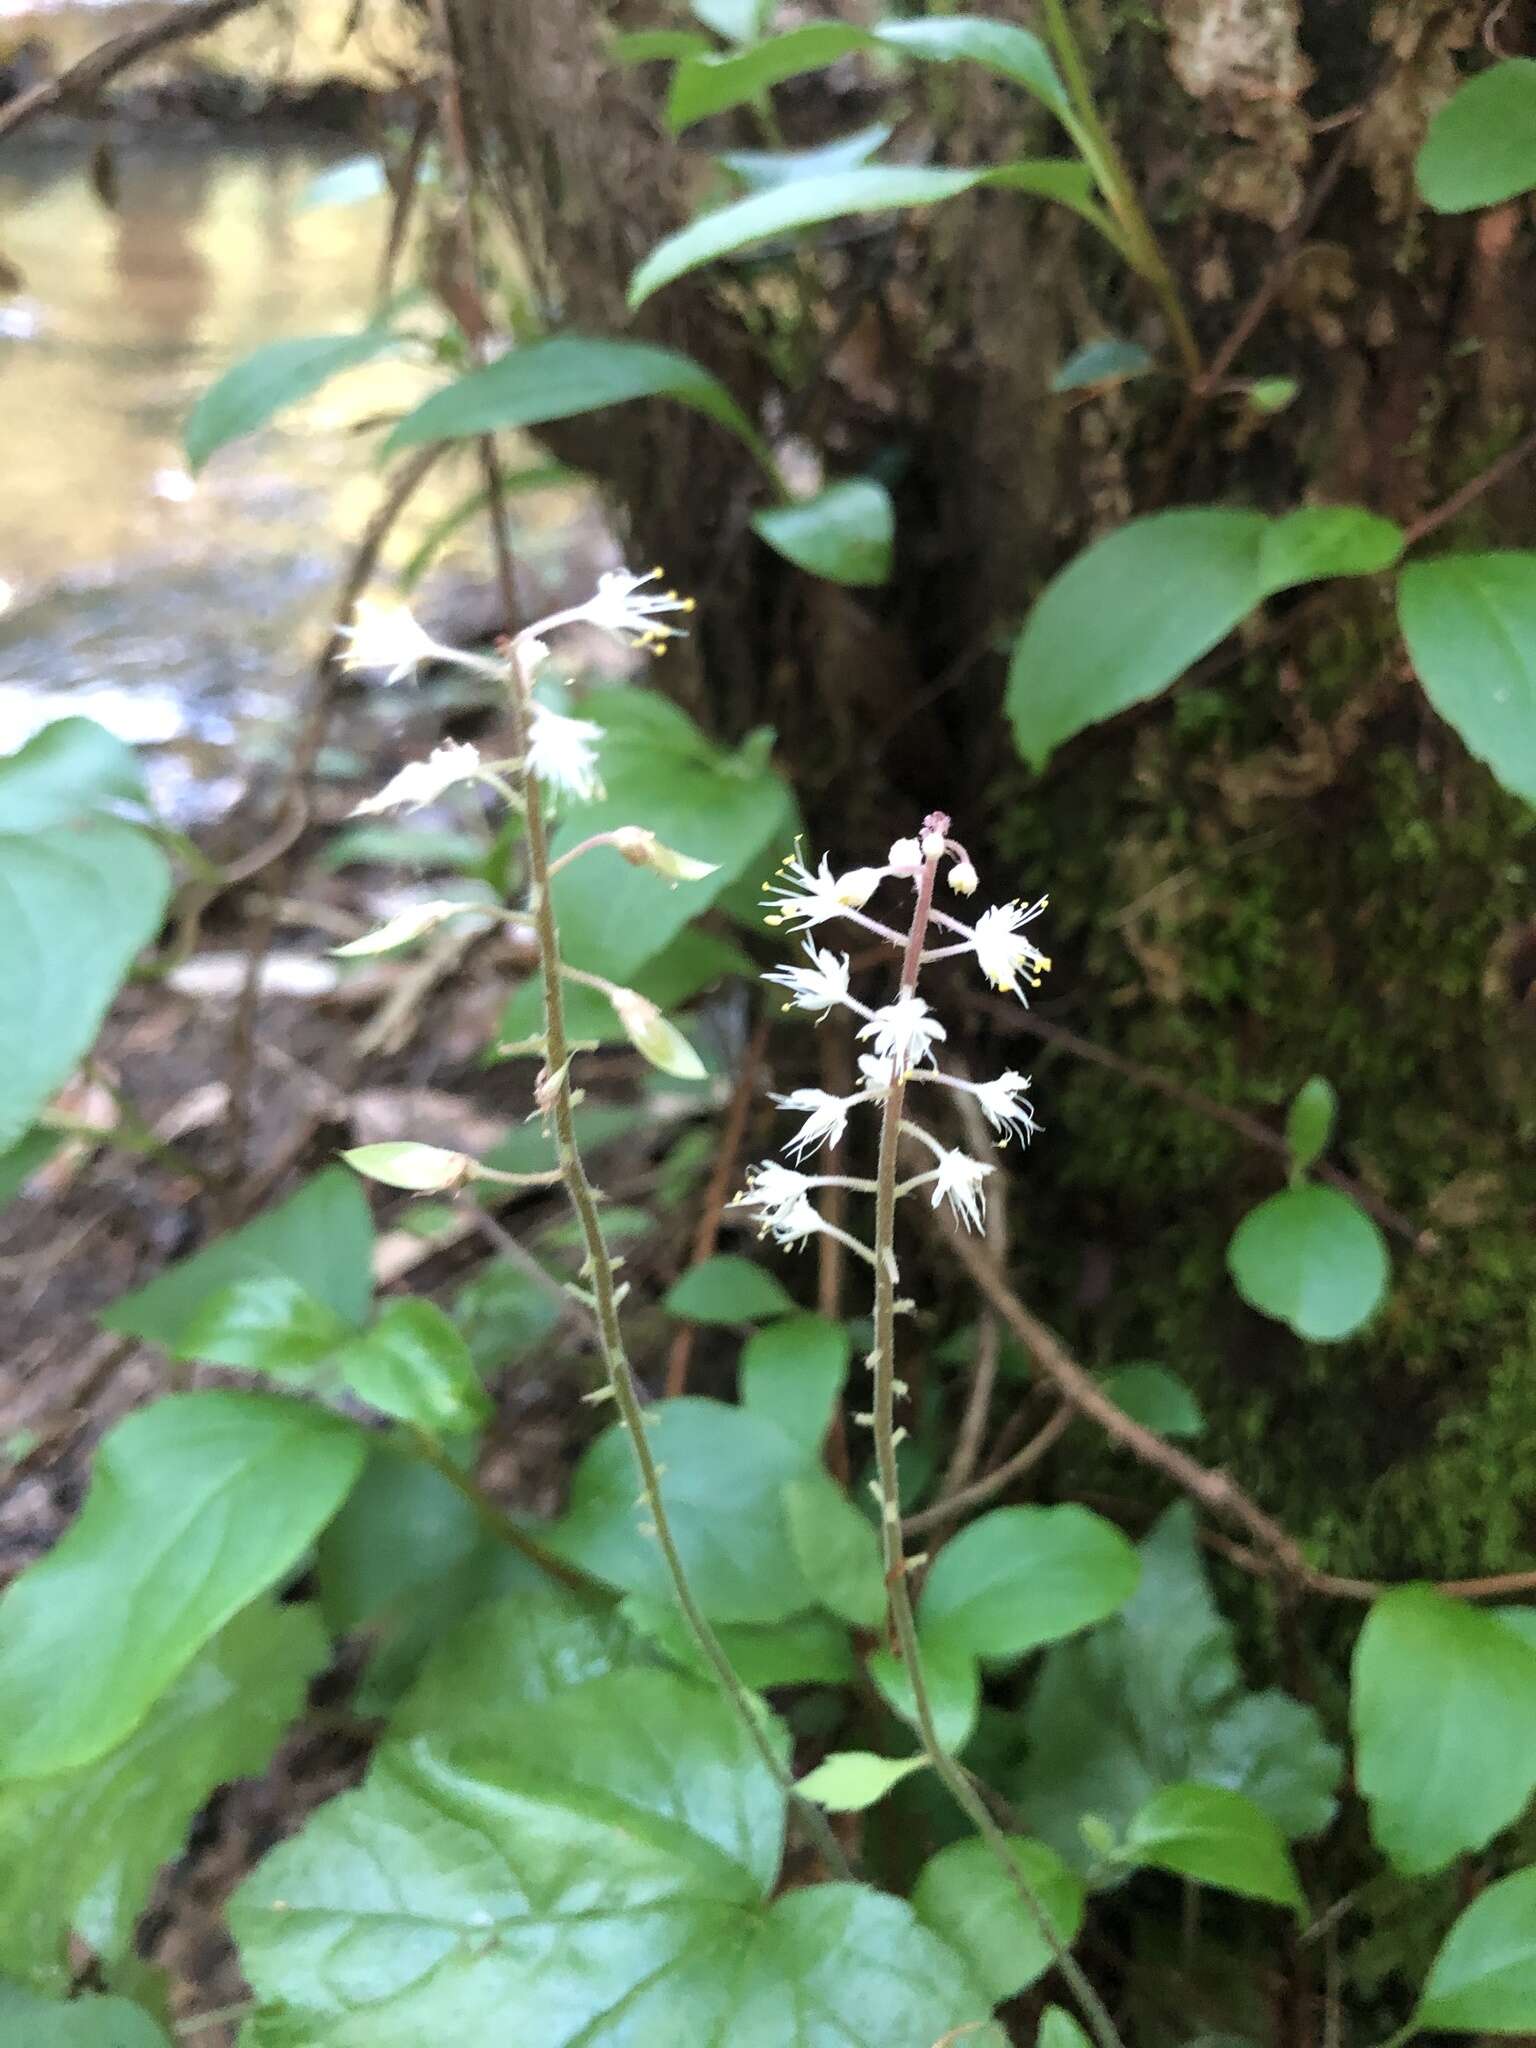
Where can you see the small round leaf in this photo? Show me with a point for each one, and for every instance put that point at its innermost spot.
(1310, 1258)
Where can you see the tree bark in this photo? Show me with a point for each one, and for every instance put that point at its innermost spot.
(1288, 865)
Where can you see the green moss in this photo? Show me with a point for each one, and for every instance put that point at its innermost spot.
(1238, 940)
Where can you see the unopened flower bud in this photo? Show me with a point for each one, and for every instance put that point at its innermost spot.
(642, 849)
(651, 1035)
(905, 856)
(531, 655)
(933, 846)
(963, 878)
(858, 885)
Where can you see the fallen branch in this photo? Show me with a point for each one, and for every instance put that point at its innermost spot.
(101, 65)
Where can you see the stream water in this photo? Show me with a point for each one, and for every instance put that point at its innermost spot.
(179, 611)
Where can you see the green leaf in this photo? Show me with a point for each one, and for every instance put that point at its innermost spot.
(1128, 615)
(1309, 1123)
(1310, 1258)
(1484, 1978)
(561, 377)
(855, 1779)
(1271, 394)
(272, 378)
(1470, 624)
(953, 1682)
(197, 1505)
(321, 1238)
(405, 1559)
(1155, 1697)
(758, 170)
(265, 1322)
(723, 1483)
(836, 1548)
(660, 771)
(79, 1851)
(692, 961)
(1058, 2029)
(847, 533)
(414, 1365)
(647, 45)
(1444, 1714)
(77, 2023)
(967, 1898)
(727, 1289)
(1019, 1577)
(406, 846)
(708, 85)
(1156, 1398)
(502, 1312)
(808, 1649)
(1217, 1838)
(518, 1904)
(792, 1374)
(72, 769)
(77, 904)
(1481, 145)
(1102, 362)
(1326, 540)
(839, 195)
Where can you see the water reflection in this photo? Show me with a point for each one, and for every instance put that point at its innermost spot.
(166, 606)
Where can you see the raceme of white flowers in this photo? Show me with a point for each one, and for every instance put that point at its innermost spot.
(902, 1034)
(562, 752)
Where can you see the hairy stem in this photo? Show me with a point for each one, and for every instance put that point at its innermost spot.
(599, 1273)
(951, 1773)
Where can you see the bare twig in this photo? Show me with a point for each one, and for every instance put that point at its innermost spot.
(1011, 1017)
(1470, 492)
(101, 65)
(717, 1194)
(1277, 1550)
(998, 1480)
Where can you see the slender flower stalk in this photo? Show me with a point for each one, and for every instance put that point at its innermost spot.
(905, 1033)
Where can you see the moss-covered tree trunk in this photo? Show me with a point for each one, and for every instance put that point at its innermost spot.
(1288, 865)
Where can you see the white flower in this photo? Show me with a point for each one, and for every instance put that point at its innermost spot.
(386, 636)
(821, 987)
(563, 752)
(781, 1199)
(1002, 1104)
(801, 898)
(905, 856)
(963, 878)
(878, 1074)
(957, 1180)
(826, 1118)
(620, 608)
(423, 782)
(904, 1032)
(1001, 953)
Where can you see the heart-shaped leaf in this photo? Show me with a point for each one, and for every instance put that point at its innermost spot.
(1481, 145)
(1309, 1257)
(1470, 624)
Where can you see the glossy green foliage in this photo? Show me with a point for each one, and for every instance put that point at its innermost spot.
(1311, 1258)
(1444, 1720)
(79, 1850)
(1133, 611)
(28, 2018)
(728, 1289)
(272, 378)
(846, 533)
(1470, 624)
(965, 1895)
(82, 892)
(1217, 1837)
(1481, 145)
(556, 379)
(581, 1850)
(197, 1505)
(1155, 1698)
(1484, 1978)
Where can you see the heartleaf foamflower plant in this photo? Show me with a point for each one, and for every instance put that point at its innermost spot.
(558, 756)
(904, 1036)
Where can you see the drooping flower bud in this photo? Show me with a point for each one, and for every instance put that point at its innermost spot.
(651, 1035)
(905, 856)
(642, 849)
(963, 878)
